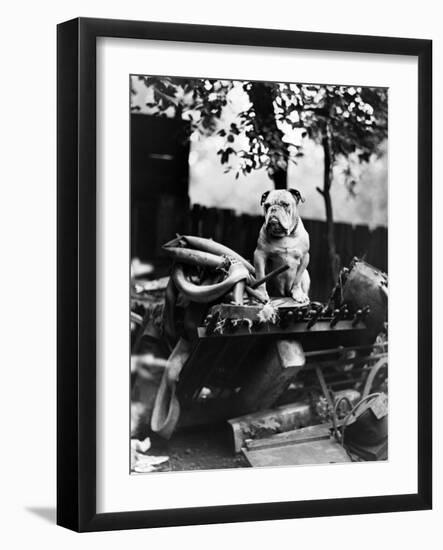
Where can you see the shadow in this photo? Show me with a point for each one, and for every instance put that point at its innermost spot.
(46, 513)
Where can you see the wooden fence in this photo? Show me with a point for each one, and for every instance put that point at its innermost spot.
(240, 232)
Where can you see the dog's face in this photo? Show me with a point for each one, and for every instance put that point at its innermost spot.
(280, 210)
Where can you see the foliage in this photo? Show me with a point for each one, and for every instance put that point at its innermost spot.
(199, 101)
(349, 122)
(252, 138)
(355, 116)
(354, 119)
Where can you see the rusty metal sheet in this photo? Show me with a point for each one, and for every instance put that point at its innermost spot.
(267, 422)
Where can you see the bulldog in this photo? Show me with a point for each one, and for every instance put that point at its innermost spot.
(283, 240)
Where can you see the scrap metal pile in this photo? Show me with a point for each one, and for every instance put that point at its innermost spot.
(230, 352)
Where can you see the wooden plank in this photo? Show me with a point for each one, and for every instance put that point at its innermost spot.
(378, 247)
(229, 231)
(209, 223)
(312, 452)
(362, 238)
(252, 232)
(170, 219)
(195, 219)
(344, 242)
(284, 418)
(309, 433)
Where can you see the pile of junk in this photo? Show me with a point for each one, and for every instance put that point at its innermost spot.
(295, 384)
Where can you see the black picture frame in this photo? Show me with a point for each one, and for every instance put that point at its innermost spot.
(76, 277)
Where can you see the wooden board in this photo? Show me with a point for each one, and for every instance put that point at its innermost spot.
(323, 451)
(282, 418)
(301, 435)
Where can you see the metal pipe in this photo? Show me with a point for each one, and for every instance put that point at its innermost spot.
(274, 273)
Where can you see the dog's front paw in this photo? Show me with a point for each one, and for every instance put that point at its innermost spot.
(299, 296)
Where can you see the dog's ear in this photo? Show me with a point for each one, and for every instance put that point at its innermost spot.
(297, 195)
(264, 197)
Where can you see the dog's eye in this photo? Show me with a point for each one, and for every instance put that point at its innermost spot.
(266, 206)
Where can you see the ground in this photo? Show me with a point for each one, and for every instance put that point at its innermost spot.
(203, 449)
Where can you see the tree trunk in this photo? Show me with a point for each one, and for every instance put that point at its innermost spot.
(280, 178)
(262, 99)
(334, 261)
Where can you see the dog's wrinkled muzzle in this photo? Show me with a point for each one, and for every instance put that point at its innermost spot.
(278, 221)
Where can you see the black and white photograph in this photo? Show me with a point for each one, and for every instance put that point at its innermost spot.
(258, 273)
(221, 292)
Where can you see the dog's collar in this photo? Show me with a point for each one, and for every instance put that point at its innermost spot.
(297, 221)
(294, 229)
